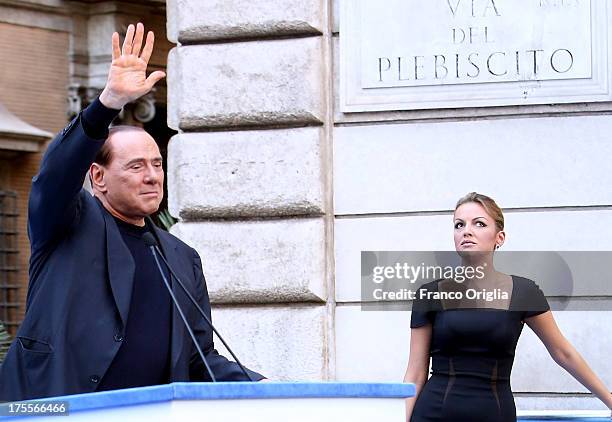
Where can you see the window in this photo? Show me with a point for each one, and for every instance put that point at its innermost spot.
(9, 264)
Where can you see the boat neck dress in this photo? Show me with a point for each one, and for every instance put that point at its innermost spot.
(472, 352)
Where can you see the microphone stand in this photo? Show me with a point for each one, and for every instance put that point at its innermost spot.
(153, 244)
(180, 311)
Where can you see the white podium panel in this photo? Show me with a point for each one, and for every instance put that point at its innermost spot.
(256, 402)
(237, 401)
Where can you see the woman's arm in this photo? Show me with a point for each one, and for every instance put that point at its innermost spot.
(418, 363)
(566, 356)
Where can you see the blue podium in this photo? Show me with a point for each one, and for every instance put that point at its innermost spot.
(239, 401)
(254, 402)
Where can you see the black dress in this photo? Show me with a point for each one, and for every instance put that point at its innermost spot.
(472, 352)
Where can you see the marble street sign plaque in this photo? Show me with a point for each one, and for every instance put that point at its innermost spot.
(420, 54)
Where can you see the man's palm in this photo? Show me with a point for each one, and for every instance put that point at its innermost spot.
(127, 78)
(128, 75)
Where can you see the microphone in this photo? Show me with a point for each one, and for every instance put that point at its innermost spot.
(150, 241)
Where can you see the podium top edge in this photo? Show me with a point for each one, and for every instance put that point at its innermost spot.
(232, 391)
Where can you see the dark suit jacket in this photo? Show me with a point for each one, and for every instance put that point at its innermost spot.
(81, 276)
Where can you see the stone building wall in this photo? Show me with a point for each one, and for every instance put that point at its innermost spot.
(279, 191)
(249, 174)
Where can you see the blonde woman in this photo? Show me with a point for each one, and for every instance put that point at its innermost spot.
(472, 343)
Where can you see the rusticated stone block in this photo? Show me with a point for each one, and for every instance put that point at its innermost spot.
(246, 174)
(284, 344)
(272, 261)
(264, 83)
(192, 21)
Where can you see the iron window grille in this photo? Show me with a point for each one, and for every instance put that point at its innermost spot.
(9, 260)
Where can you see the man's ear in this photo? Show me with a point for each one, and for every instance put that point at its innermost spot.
(96, 175)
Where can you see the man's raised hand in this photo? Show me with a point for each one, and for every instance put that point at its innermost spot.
(127, 78)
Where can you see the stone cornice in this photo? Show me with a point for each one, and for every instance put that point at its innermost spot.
(36, 14)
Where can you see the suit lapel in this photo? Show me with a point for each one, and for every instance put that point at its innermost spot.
(179, 333)
(120, 266)
(121, 269)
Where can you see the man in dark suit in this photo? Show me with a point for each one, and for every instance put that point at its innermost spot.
(98, 316)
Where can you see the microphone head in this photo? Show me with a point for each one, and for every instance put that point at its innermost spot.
(149, 239)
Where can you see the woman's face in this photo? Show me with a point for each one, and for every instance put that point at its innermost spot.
(475, 230)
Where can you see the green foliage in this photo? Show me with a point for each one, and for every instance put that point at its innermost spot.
(165, 220)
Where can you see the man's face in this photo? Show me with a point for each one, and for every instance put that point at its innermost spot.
(134, 178)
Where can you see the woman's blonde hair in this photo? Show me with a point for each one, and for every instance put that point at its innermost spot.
(488, 204)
